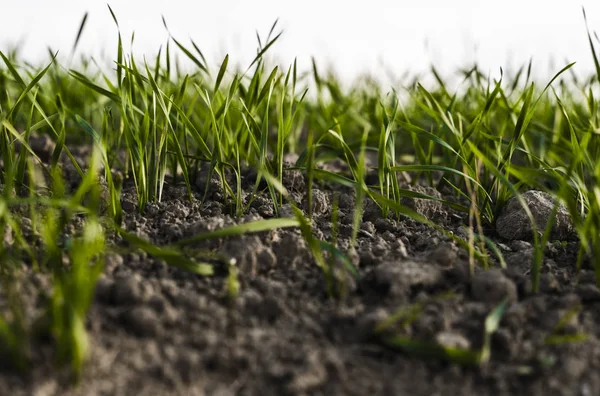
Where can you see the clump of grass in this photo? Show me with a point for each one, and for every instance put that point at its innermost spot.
(74, 283)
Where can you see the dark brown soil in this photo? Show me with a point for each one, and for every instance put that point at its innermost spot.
(156, 330)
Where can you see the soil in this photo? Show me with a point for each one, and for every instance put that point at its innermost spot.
(157, 330)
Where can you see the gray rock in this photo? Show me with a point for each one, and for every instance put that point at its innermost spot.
(492, 286)
(513, 222)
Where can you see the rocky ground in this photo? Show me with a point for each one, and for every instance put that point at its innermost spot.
(157, 330)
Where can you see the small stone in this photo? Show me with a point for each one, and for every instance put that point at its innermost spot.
(513, 222)
(452, 339)
(492, 286)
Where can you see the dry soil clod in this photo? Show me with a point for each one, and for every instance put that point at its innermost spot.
(514, 224)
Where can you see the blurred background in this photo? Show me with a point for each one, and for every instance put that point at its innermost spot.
(375, 36)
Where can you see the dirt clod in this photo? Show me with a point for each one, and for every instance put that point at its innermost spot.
(426, 207)
(141, 321)
(396, 278)
(513, 222)
(493, 286)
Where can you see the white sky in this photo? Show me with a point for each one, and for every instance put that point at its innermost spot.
(352, 36)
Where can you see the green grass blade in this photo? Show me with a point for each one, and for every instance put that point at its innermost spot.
(241, 229)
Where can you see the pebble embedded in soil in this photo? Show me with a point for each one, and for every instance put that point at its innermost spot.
(492, 286)
(513, 222)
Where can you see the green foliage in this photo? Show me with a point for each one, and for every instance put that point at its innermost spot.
(153, 121)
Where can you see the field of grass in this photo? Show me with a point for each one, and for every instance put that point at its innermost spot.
(149, 123)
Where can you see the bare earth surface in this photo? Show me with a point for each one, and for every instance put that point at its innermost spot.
(157, 330)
